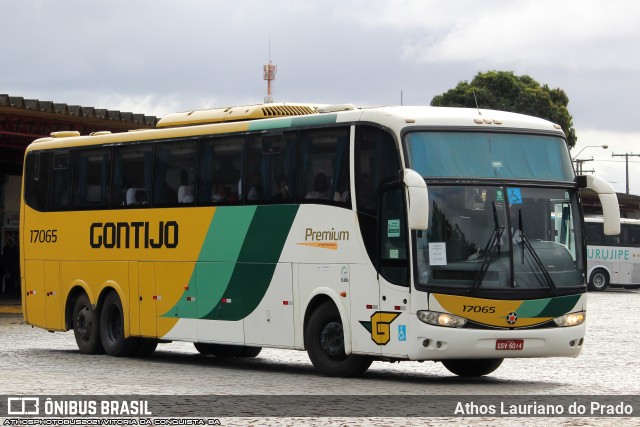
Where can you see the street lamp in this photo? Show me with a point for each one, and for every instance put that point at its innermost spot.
(605, 146)
(580, 162)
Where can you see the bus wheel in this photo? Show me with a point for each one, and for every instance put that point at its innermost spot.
(324, 340)
(599, 280)
(225, 350)
(86, 326)
(472, 367)
(112, 328)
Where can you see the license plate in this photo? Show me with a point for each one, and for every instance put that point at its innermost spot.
(509, 344)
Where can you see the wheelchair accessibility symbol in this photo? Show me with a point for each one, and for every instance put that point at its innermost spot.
(514, 195)
(402, 332)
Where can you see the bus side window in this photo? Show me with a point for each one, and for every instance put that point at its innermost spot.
(271, 161)
(219, 170)
(594, 233)
(37, 168)
(376, 159)
(91, 177)
(324, 166)
(132, 176)
(174, 173)
(60, 191)
(634, 235)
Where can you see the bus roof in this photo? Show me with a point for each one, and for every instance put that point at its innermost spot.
(234, 114)
(283, 116)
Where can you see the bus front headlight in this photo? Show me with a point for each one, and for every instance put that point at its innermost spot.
(571, 319)
(441, 319)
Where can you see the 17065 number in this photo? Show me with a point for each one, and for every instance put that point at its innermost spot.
(44, 236)
(478, 309)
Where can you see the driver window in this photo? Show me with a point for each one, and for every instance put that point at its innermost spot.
(393, 238)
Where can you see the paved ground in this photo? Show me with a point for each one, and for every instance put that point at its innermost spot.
(33, 361)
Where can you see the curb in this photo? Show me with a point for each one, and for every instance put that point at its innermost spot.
(10, 309)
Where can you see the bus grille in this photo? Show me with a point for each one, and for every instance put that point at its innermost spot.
(287, 110)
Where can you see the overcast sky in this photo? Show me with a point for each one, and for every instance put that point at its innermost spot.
(156, 57)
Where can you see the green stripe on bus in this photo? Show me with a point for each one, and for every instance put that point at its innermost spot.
(284, 122)
(297, 121)
(530, 309)
(227, 233)
(547, 307)
(559, 306)
(321, 119)
(257, 262)
(216, 262)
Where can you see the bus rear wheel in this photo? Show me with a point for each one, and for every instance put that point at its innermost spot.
(112, 328)
(86, 326)
(472, 367)
(324, 340)
(225, 350)
(599, 280)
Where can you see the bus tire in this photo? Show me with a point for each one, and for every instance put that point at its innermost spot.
(472, 367)
(112, 328)
(86, 326)
(324, 341)
(599, 280)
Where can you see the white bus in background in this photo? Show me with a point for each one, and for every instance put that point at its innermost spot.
(613, 260)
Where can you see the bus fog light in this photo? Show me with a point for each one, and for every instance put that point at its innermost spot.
(571, 319)
(441, 319)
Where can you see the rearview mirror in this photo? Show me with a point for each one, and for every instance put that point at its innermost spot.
(418, 200)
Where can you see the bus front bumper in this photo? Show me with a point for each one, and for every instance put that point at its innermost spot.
(437, 343)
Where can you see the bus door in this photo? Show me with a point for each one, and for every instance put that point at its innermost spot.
(390, 329)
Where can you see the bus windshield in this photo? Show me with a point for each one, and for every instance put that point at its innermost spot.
(489, 155)
(500, 237)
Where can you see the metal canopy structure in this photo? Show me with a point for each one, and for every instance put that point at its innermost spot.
(24, 120)
(629, 204)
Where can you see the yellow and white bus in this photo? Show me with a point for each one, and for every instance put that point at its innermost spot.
(613, 260)
(356, 234)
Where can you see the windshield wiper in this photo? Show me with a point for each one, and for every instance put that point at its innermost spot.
(492, 246)
(526, 244)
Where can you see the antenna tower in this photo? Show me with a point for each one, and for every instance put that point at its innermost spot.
(269, 75)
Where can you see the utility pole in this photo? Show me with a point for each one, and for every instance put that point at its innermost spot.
(626, 159)
(579, 163)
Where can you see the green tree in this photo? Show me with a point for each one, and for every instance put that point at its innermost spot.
(502, 90)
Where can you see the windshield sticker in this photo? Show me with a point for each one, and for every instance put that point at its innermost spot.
(438, 253)
(515, 197)
(393, 228)
(499, 196)
(394, 254)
